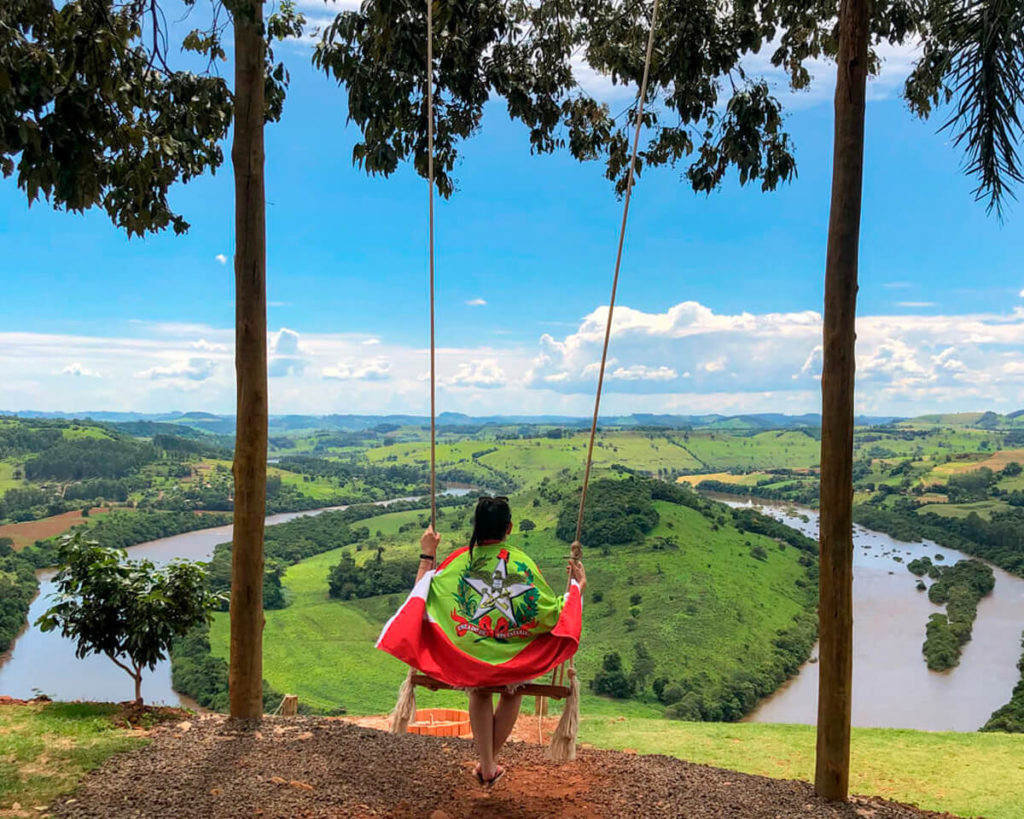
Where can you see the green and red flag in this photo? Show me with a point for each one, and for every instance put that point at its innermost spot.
(485, 619)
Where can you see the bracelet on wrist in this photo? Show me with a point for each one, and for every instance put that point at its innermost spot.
(429, 558)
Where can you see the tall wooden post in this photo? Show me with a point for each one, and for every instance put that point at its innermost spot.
(835, 612)
(250, 466)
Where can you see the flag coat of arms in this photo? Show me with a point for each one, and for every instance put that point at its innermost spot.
(489, 619)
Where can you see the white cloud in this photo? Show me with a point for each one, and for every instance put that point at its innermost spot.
(915, 304)
(369, 342)
(484, 374)
(476, 302)
(375, 369)
(203, 344)
(81, 370)
(220, 257)
(193, 369)
(640, 372)
(1021, 294)
(896, 285)
(902, 361)
(286, 358)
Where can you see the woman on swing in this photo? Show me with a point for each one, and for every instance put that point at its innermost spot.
(486, 618)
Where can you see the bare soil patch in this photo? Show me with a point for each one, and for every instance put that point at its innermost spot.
(26, 533)
(306, 768)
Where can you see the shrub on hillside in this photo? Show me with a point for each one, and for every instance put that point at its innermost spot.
(612, 679)
(348, 581)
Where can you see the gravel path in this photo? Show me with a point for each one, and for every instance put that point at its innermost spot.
(301, 768)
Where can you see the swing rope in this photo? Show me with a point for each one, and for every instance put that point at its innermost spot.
(430, 210)
(577, 551)
(563, 741)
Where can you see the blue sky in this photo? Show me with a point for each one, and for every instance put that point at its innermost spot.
(721, 295)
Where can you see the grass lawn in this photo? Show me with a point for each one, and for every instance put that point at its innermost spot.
(969, 774)
(46, 749)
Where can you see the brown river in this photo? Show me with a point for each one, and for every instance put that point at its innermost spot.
(892, 686)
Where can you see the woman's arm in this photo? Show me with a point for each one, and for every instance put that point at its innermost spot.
(429, 542)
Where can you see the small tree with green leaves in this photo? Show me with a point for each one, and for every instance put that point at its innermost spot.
(129, 610)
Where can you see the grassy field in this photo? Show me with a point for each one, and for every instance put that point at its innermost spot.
(7, 479)
(76, 432)
(983, 508)
(966, 774)
(532, 458)
(705, 607)
(46, 749)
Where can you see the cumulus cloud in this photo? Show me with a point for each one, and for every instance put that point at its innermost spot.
(690, 349)
(1021, 294)
(484, 374)
(374, 369)
(194, 369)
(286, 356)
(220, 257)
(369, 342)
(207, 346)
(476, 302)
(79, 369)
(686, 349)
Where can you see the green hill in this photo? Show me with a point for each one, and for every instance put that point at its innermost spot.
(725, 614)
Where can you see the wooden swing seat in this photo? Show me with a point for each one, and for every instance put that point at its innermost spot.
(554, 692)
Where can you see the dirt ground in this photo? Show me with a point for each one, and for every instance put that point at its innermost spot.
(314, 768)
(27, 533)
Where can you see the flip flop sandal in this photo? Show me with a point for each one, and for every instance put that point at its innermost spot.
(490, 783)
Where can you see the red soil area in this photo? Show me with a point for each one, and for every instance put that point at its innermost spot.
(27, 533)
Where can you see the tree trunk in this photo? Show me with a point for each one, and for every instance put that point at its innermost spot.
(138, 687)
(835, 607)
(250, 467)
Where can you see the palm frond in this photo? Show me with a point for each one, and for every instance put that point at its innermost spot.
(985, 40)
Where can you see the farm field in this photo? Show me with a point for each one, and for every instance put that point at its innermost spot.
(28, 532)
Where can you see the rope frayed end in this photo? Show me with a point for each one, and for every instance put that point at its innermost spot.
(405, 709)
(563, 740)
(576, 550)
